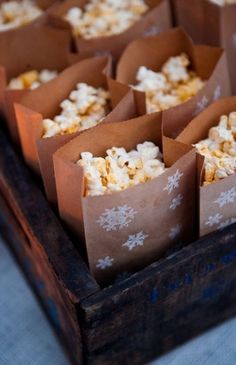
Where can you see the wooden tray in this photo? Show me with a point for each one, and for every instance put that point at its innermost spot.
(137, 318)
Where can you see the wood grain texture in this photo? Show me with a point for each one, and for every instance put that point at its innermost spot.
(134, 320)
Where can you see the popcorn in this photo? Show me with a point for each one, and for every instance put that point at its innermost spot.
(46, 76)
(85, 108)
(105, 17)
(148, 151)
(173, 85)
(220, 134)
(120, 169)
(175, 69)
(31, 79)
(51, 127)
(219, 149)
(14, 14)
(150, 80)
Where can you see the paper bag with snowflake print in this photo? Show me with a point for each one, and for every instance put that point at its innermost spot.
(155, 20)
(152, 52)
(126, 230)
(212, 24)
(44, 103)
(217, 201)
(36, 46)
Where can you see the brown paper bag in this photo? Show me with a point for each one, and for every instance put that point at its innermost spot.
(153, 52)
(157, 19)
(127, 230)
(217, 201)
(46, 4)
(210, 24)
(38, 45)
(44, 103)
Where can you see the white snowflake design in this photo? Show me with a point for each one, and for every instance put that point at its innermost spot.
(173, 181)
(175, 231)
(214, 219)
(135, 240)
(116, 219)
(176, 202)
(201, 105)
(226, 197)
(154, 30)
(217, 93)
(104, 263)
(226, 223)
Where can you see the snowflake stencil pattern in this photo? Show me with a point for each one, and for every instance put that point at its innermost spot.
(135, 240)
(173, 181)
(175, 231)
(176, 202)
(226, 197)
(214, 219)
(105, 263)
(201, 105)
(226, 223)
(217, 93)
(116, 219)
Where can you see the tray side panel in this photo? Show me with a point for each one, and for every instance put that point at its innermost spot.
(164, 305)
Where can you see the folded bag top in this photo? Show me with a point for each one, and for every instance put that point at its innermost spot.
(145, 213)
(156, 19)
(152, 52)
(40, 45)
(44, 102)
(216, 200)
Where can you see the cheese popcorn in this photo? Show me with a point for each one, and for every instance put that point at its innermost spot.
(14, 14)
(31, 79)
(223, 2)
(173, 85)
(219, 149)
(85, 108)
(101, 18)
(120, 169)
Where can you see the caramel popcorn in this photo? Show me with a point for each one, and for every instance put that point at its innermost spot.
(105, 17)
(120, 169)
(85, 108)
(31, 79)
(173, 85)
(14, 14)
(223, 2)
(219, 149)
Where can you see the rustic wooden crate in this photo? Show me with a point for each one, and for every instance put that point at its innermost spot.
(133, 320)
